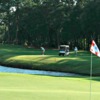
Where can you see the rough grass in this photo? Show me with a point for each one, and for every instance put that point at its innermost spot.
(36, 87)
(17, 56)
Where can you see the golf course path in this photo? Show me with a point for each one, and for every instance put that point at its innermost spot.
(37, 72)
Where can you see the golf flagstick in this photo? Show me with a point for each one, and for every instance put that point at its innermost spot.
(91, 79)
(95, 50)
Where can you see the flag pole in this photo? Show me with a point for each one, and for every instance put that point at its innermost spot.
(91, 79)
(94, 50)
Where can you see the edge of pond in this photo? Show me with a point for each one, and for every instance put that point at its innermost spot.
(35, 72)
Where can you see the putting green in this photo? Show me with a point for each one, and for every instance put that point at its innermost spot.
(38, 87)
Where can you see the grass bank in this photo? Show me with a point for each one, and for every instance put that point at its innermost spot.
(36, 87)
(17, 56)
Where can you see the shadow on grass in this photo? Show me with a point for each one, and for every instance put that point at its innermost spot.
(50, 61)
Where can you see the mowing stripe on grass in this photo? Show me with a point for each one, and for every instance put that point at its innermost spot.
(38, 87)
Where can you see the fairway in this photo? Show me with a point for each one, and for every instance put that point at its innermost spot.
(40, 87)
(30, 58)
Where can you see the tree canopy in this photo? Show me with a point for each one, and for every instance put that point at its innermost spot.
(50, 22)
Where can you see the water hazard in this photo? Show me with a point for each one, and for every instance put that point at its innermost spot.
(35, 72)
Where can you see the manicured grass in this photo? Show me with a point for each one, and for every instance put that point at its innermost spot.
(31, 58)
(36, 87)
(39, 87)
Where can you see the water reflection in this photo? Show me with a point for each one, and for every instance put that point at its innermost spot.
(38, 72)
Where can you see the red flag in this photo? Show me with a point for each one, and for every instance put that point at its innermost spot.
(94, 49)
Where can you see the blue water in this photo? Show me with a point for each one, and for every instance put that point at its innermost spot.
(37, 72)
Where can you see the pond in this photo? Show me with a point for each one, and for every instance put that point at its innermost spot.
(37, 72)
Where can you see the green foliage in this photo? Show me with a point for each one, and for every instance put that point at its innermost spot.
(50, 22)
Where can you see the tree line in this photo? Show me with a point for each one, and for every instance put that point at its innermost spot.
(50, 22)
